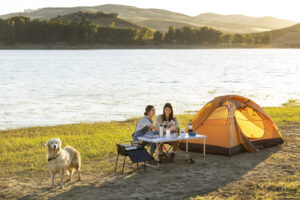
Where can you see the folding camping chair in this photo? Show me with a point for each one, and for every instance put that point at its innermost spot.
(135, 153)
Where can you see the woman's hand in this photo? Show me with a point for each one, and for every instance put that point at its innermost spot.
(173, 127)
(152, 128)
(165, 123)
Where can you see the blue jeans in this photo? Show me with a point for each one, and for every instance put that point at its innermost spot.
(142, 133)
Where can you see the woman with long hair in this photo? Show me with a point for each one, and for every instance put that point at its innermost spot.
(168, 121)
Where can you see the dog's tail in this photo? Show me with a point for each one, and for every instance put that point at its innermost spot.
(75, 157)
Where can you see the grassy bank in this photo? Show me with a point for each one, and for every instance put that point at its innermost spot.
(23, 154)
(24, 148)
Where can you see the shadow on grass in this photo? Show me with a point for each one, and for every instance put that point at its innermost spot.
(176, 180)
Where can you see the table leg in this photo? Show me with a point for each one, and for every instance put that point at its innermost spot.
(158, 147)
(187, 151)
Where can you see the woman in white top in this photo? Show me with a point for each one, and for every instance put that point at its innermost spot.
(169, 121)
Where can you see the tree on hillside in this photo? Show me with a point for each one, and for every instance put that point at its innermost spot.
(178, 38)
(158, 37)
(145, 34)
(248, 39)
(170, 35)
(189, 35)
(238, 39)
(257, 39)
(87, 30)
(214, 36)
(226, 38)
(266, 39)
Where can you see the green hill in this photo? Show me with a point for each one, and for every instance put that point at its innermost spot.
(161, 19)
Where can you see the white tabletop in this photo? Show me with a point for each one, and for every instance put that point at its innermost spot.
(171, 138)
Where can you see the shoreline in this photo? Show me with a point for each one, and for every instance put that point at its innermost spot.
(186, 113)
(189, 113)
(146, 46)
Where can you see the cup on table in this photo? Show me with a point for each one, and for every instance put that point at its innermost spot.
(182, 134)
(168, 133)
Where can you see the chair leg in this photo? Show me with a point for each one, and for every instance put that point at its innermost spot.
(123, 164)
(137, 167)
(116, 163)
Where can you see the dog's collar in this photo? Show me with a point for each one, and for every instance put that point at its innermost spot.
(53, 158)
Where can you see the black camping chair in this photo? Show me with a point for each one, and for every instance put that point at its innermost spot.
(135, 153)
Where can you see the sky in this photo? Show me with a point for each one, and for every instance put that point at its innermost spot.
(285, 9)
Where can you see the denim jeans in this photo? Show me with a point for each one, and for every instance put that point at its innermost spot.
(142, 133)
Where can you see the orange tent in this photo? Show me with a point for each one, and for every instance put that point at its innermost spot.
(233, 124)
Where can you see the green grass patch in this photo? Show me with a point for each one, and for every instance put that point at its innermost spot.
(284, 115)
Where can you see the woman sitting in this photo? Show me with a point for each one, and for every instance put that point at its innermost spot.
(169, 121)
(145, 126)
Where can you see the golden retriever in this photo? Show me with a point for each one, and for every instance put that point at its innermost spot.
(60, 160)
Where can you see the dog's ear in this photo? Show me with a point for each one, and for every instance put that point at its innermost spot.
(47, 143)
(58, 141)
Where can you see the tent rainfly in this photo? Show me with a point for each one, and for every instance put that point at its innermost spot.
(233, 124)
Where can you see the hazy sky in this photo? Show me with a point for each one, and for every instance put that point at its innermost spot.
(286, 9)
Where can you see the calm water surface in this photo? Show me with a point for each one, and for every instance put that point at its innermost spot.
(47, 87)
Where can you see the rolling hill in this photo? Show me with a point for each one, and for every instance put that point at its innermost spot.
(161, 19)
(100, 18)
(285, 37)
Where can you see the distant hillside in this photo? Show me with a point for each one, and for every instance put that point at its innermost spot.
(286, 37)
(101, 19)
(161, 19)
(263, 23)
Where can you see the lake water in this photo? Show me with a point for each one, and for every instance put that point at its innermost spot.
(48, 87)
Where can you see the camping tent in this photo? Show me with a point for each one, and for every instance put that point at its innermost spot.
(233, 124)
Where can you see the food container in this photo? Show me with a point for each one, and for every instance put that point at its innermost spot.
(192, 134)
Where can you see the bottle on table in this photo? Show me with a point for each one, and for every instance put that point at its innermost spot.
(161, 131)
(190, 127)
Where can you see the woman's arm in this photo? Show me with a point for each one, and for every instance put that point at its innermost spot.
(153, 128)
(174, 126)
(158, 122)
(142, 123)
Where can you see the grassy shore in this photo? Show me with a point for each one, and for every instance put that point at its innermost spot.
(23, 155)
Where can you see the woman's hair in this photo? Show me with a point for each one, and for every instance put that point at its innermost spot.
(171, 117)
(148, 109)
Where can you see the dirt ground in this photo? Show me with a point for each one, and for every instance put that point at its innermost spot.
(174, 180)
